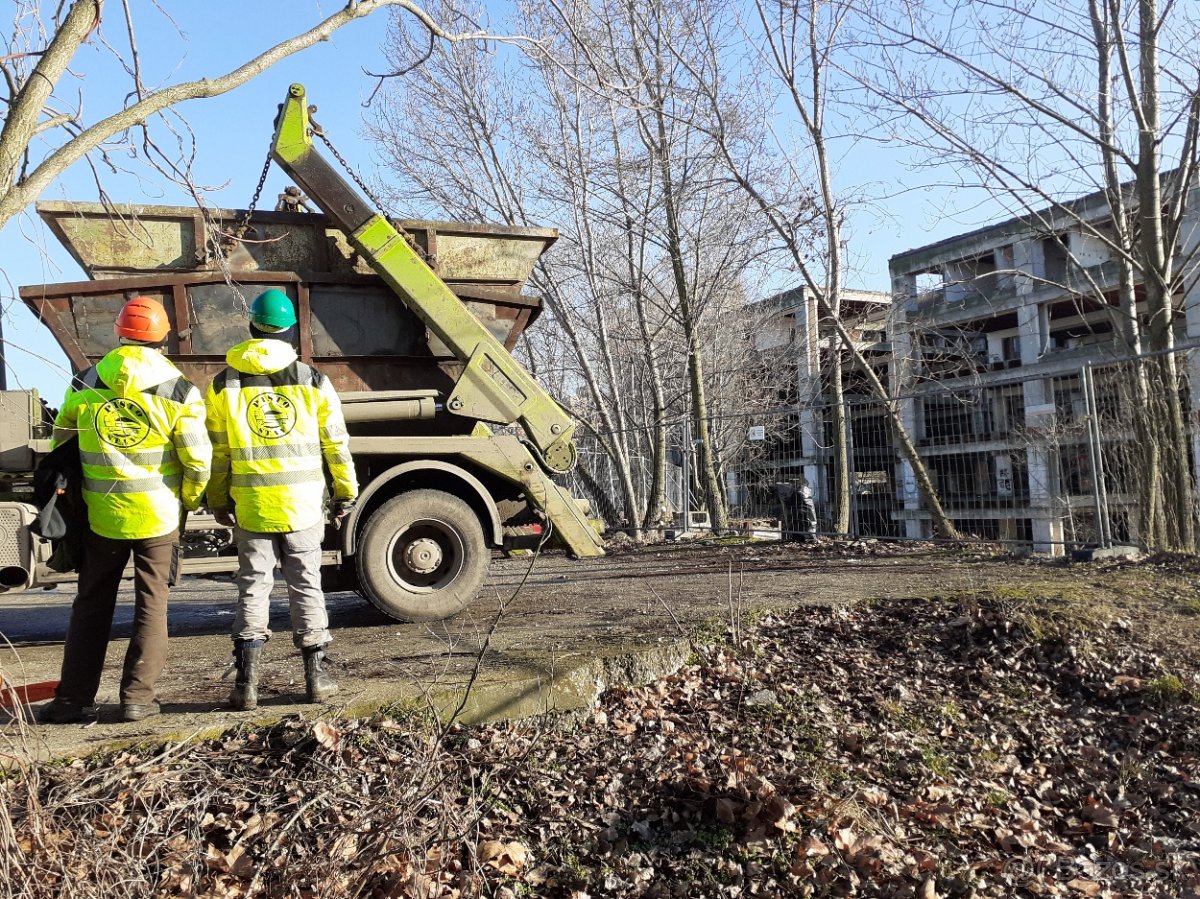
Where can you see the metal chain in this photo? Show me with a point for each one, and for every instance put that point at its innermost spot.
(262, 179)
(219, 240)
(319, 132)
(409, 239)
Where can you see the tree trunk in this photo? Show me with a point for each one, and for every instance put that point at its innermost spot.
(714, 496)
(1175, 457)
(657, 494)
(841, 446)
(617, 454)
(941, 523)
(635, 242)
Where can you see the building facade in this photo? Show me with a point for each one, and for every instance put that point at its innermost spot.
(799, 442)
(1006, 347)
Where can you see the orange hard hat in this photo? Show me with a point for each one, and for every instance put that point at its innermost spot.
(144, 320)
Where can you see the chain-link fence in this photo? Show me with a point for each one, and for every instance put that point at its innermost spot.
(1055, 458)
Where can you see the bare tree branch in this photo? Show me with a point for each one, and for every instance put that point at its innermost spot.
(80, 20)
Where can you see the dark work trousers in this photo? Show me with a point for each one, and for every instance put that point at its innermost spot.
(92, 615)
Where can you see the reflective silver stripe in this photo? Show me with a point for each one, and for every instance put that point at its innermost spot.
(114, 459)
(193, 476)
(278, 451)
(218, 436)
(178, 390)
(191, 438)
(277, 478)
(333, 433)
(339, 459)
(137, 485)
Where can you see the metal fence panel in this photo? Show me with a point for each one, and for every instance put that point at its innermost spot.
(1056, 461)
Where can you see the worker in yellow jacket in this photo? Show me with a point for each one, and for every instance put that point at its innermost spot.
(144, 449)
(276, 426)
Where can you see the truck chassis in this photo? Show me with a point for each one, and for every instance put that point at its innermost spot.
(424, 382)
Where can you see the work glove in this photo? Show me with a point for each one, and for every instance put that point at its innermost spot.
(339, 509)
(225, 517)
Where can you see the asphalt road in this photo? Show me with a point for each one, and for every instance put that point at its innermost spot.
(541, 625)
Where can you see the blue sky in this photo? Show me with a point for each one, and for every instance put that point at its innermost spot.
(232, 133)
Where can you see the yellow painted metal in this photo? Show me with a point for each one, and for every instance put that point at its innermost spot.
(510, 459)
(493, 387)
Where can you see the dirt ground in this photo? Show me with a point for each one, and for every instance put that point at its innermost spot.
(559, 614)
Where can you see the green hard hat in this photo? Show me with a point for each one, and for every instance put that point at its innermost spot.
(272, 311)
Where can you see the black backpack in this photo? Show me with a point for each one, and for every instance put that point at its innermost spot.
(62, 514)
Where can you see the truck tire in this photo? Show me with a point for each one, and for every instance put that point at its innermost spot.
(421, 556)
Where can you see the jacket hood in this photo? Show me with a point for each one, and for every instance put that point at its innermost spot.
(128, 369)
(260, 357)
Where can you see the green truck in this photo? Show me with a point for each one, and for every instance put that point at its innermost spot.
(456, 445)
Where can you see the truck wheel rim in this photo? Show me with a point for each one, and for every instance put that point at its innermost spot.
(426, 556)
(423, 556)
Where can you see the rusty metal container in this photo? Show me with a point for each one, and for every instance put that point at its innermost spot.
(352, 325)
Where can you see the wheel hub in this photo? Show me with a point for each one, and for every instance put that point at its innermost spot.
(423, 556)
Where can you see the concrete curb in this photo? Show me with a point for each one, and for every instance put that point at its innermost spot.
(575, 685)
(514, 689)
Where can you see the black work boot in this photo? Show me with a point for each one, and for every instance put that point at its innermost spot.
(246, 655)
(136, 711)
(317, 681)
(65, 711)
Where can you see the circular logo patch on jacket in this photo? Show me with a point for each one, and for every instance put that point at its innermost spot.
(271, 415)
(122, 423)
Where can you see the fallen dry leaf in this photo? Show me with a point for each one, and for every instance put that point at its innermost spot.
(984, 759)
(507, 858)
(844, 839)
(327, 735)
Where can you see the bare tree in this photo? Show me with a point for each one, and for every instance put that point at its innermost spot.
(1102, 94)
(547, 141)
(493, 164)
(635, 53)
(787, 172)
(44, 133)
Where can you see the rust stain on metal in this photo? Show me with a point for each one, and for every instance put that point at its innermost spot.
(351, 324)
(113, 240)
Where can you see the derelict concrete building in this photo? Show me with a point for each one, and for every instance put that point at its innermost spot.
(994, 334)
(795, 330)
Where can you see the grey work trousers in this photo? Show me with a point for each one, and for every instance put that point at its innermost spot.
(299, 556)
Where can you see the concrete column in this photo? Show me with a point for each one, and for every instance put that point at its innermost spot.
(1029, 264)
(1045, 520)
(808, 394)
(995, 347)
(1030, 337)
(906, 480)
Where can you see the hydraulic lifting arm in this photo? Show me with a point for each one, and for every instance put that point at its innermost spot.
(493, 387)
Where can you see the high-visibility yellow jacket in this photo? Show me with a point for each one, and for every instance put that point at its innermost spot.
(273, 420)
(142, 441)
